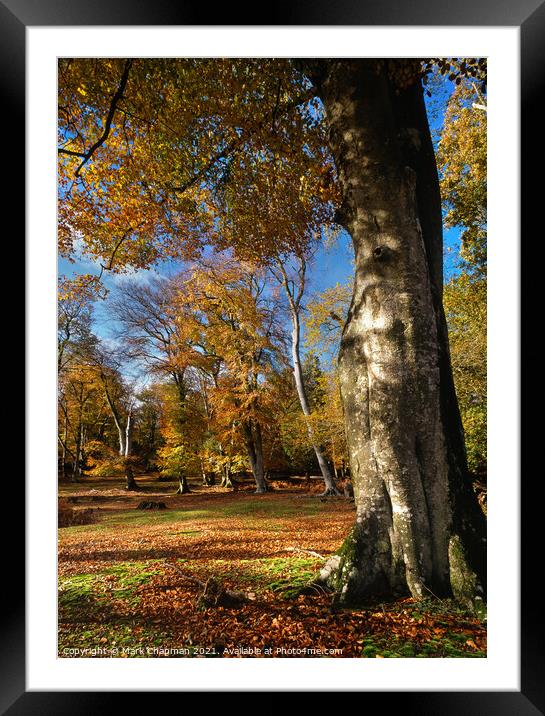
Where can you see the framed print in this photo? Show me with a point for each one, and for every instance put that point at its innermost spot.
(222, 197)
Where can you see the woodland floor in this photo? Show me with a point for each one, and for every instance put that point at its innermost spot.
(119, 597)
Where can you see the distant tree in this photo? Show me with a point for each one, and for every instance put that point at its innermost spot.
(81, 408)
(462, 161)
(465, 307)
(325, 318)
(293, 283)
(121, 401)
(242, 330)
(148, 434)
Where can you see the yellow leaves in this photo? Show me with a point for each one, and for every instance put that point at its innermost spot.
(178, 126)
(324, 319)
(462, 161)
(465, 309)
(83, 288)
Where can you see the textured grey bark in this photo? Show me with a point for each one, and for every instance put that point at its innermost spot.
(417, 530)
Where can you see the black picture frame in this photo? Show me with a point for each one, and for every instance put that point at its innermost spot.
(529, 15)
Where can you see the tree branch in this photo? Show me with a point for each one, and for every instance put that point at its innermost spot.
(107, 124)
(237, 143)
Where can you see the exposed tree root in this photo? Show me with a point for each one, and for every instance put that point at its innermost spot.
(330, 492)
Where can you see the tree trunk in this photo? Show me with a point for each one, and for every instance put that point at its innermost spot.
(208, 476)
(63, 445)
(183, 486)
(76, 472)
(129, 476)
(330, 487)
(121, 433)
(126, 445)
(417, 530)
(254, 447)
(226, 479)
(128, 434)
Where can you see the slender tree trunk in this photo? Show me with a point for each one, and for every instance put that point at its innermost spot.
(121, 435)
(208, 476)
(416, 528)
(64, 442)
(129, 476)
(131, 482)
(128, 434)
(254, 447)
(183, 485)
(77, 455)
(226, 480)
(330, 487)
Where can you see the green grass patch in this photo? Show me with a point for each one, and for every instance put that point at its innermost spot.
(260, 508)
(255, 511)
(183, 533)
(146, 518)
(450, 645)
(94, 620)
(447, 608)
(290, 574)
(119, 637)
(87, 594)
(139, 518)
(283, 575)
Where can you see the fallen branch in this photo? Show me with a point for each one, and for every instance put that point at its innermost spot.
(306, 551)
(214, 593)
(185, 576)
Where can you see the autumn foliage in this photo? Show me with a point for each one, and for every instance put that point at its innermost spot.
(197, 362)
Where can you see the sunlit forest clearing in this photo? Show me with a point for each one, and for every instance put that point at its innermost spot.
(271, 368)
(119, 591)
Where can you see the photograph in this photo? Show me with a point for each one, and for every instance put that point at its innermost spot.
(272, 357)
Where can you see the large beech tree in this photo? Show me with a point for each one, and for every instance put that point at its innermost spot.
(147, 149)
(418, 525)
